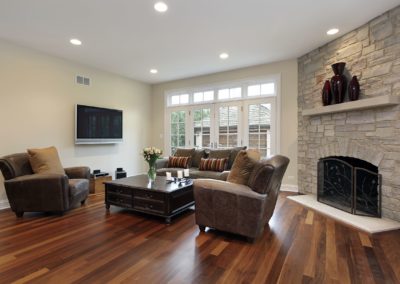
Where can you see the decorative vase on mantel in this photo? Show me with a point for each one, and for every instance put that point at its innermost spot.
(354, 89)
(338, 82)
(326, 93)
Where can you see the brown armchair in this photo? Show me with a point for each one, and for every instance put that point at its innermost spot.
(240, 209)
(29, 192)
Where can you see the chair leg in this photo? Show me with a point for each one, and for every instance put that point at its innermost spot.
(202, 228)
(19, 214)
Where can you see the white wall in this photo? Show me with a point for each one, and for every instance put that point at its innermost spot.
(37, 100)
(288, 72)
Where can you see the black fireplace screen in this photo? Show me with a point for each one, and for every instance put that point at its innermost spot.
(350, 184)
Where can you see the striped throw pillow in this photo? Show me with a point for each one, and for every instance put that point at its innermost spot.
(178, 162)
(215, 165)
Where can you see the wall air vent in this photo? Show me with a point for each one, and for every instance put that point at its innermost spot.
(82, 80)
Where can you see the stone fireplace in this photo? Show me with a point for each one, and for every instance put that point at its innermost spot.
(371, 134)
(350, 184)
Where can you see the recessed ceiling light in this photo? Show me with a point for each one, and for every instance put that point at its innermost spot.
(75, 41)
(160, 7)
(153, 71)
(332, 31)
(224, 55)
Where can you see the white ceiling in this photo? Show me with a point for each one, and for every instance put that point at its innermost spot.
(129, 38)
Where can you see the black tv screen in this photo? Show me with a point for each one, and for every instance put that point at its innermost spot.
(97, 125)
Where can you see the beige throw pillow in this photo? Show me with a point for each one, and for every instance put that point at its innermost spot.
(243, 166)
(45, 161)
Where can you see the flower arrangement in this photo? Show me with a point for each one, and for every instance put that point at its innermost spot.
(151, 154)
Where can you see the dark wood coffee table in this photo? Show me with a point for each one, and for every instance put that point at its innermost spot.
(161, 198)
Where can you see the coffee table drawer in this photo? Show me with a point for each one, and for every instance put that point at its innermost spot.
(120, 200)
(149, 195)
(119, 190)
(145, 205)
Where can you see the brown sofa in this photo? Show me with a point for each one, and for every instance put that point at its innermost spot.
(196, 155)
(29, 192)
(240, 209)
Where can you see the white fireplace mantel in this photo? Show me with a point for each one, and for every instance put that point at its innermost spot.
(381, 101)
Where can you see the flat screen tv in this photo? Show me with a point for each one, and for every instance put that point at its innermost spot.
(96, 125)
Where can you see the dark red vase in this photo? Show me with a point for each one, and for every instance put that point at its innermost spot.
(354, 89)
(326, 93)
(338, 82)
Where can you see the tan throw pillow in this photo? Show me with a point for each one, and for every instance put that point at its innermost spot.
(45, 161)
(243, 166)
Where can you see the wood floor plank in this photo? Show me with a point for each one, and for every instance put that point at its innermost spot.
(91, 245)
(31, 276)
(310, 217)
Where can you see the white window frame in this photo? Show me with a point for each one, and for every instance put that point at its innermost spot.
(274, 78)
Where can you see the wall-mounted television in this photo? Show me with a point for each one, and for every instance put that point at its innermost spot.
(96, 125)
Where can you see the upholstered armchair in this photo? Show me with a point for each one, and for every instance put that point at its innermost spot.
(238, 208)
(29, 192)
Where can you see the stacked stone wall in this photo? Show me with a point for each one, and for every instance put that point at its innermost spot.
(372, 53)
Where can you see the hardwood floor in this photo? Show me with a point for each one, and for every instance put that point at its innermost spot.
(88, 245)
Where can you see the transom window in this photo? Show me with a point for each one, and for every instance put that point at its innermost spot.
(203, 96)
(180, 99)
(232, 93)
(261, 89)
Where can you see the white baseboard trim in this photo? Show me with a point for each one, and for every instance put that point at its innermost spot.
(289, 188)
(4, 204)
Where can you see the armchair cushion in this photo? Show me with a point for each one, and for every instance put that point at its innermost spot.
(78, 172)
(77, 186)
(45, 161)
(243, 166)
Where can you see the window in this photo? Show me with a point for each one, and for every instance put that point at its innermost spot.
(177, 125)
(202, 127)
(228, 124)
(203, 96)
(242, 113)
(232, 93)
(259, 128)
(180, 99)
(261, 90)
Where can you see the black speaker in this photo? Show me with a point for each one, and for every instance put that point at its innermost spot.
(120, 173)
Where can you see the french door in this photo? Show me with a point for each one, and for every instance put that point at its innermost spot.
(248, 123)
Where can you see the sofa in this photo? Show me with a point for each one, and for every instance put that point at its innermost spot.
(196, 156)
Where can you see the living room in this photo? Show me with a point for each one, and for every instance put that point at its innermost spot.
(154, 62)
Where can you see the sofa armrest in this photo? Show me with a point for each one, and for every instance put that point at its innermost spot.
(162, 163)
(38, 192)
(78, 172)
